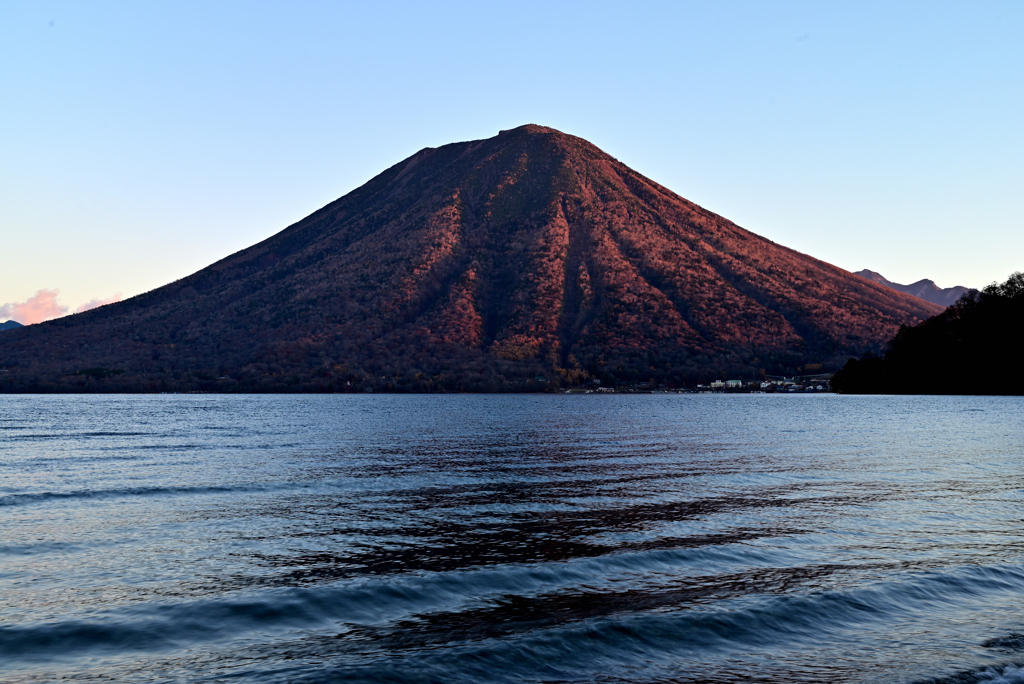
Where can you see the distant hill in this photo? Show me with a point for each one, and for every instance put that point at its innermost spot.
(525, 261)
(973, 347)
(10, 325)
(924, 289)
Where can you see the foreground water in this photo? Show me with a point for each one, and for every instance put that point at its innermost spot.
(512, 538)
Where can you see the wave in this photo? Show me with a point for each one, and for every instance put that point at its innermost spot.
(125, 492)
(439, 617)
(1009, 642)
(74, 435)
(704, 625)
(674, 643)
(1012, 673)
(158, 627)
(40, 548)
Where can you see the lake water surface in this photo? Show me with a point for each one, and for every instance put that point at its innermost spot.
(442, 538)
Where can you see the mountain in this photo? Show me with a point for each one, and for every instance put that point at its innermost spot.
(516, 262)
(973, 347)
(10, 325)
(923, 289)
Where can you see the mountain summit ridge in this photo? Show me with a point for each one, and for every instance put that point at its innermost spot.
(923, 289)
(504, 263)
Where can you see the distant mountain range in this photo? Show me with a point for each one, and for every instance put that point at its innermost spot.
(924, 289)
(521, 262)
(10, 325)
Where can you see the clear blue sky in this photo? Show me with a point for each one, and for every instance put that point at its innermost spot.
(140, 142)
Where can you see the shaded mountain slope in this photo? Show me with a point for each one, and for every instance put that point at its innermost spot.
(10, 325)
(479, 265)
(924, 289)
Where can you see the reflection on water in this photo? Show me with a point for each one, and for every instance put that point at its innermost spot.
(512, 538)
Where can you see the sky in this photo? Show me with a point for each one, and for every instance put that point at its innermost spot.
(141, 142)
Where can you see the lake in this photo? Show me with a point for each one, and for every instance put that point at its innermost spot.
(518, 538)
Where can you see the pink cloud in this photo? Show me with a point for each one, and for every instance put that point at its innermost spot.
(41, 307)
(93, 303)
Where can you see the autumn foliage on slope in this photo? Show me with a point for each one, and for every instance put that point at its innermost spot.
(524, 261)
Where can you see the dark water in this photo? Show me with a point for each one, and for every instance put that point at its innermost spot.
(512, 539)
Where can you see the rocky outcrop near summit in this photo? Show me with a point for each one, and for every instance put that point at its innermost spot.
(518, 262)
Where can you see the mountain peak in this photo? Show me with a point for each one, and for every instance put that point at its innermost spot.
(531, 129)
(482, 265)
